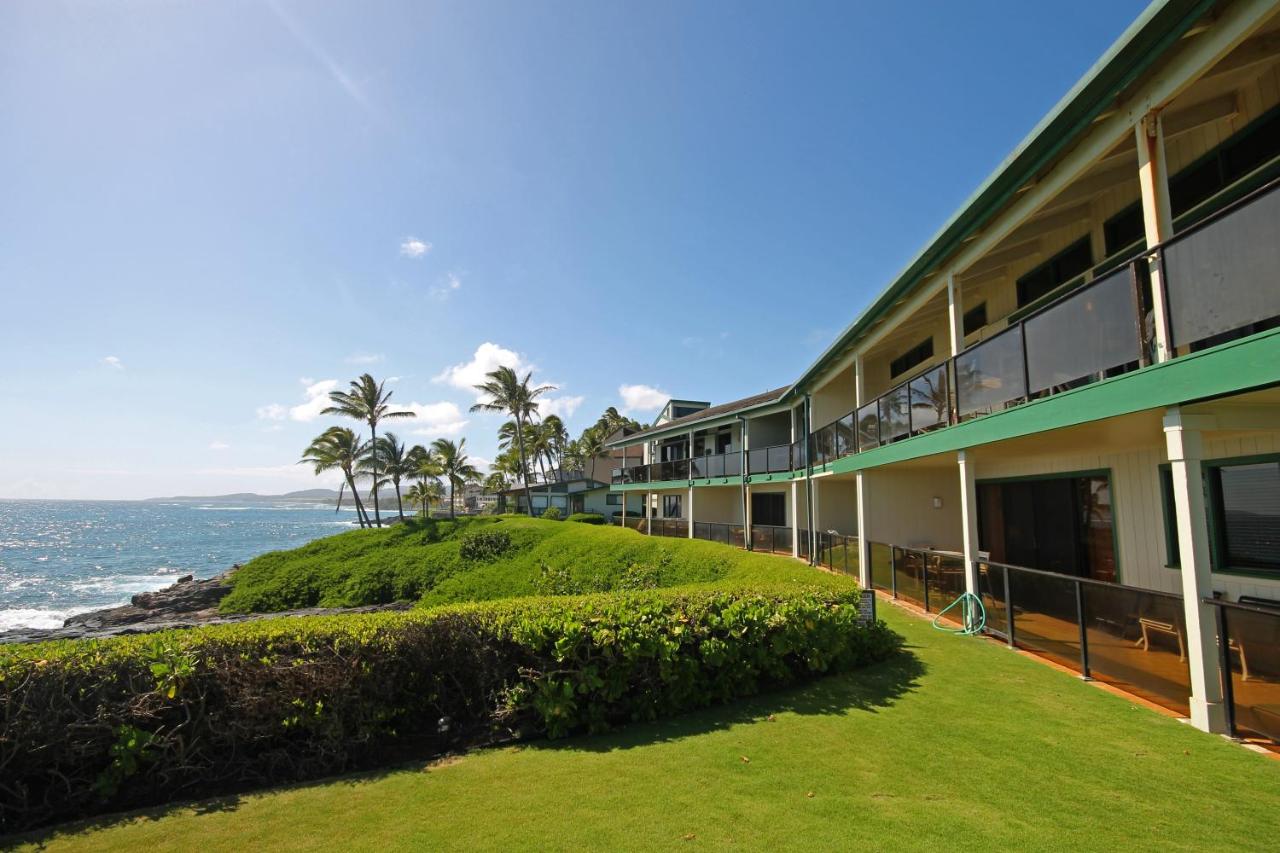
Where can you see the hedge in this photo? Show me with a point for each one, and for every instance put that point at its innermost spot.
(91, 726)
(587, 518)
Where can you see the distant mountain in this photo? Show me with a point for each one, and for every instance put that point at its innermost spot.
(308, 495)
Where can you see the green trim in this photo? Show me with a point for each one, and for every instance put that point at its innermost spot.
(1230, 368)
(1213, 500)
(1164, 479)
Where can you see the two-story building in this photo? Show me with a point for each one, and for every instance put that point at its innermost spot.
(1068, 403)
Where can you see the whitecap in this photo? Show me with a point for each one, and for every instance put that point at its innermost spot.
(35, 617)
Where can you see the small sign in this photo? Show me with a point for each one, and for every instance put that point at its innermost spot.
(867, 607)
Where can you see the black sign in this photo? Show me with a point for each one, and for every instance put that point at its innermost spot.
(867, 607)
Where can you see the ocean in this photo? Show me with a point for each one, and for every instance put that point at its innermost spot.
(58, 558)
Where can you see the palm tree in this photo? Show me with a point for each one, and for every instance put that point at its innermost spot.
(496, 483)
(390, 455)
(557, 438)
(425, 493)
(366, 401)
(339, 448)
(590, 448)
(455, 467)
(511, 394)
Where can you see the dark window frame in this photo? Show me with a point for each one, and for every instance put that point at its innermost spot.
(974, 319)
(679, 504)
(915, 356)
(769, 496)
(613, 499)
(1057, 275)
(1218, 552)
(1168, 508)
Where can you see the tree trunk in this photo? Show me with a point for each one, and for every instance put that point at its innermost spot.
(399, 503)
(453, 499)
(373, 448)
(524, 466)
(355, 494)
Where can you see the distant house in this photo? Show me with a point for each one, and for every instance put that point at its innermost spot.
(570, 492)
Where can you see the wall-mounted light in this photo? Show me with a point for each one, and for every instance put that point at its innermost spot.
(937, 503)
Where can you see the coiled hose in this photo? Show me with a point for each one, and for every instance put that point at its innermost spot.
(973, 616)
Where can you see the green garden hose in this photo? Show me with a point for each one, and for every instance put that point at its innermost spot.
(973, 615)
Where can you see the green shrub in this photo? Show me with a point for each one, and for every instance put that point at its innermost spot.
(105, 725)
(484, 545)
(552, 513)
(586, 518)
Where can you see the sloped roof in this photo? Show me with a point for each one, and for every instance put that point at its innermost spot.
(713, 412)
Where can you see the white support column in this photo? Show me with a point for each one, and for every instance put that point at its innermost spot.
(864, 541)
(1185, 447)
(1157, 216)
(955, 314)
(795, 493)
(689, 514)
(969, 519)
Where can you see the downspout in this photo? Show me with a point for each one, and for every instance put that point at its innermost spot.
(742, 467)
(808, 475)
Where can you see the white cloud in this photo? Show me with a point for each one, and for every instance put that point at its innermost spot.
(488, 357)
(642, 398)
(451, 282)
(432, 420)
(412, 247)
(562, 407)
(113, 362)
(219, 445)
(364, 358)
(272, 412)
(317, 400)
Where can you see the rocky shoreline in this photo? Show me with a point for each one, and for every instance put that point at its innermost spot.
(185, 604)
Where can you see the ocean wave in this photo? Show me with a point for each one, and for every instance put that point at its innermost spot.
(35, 617)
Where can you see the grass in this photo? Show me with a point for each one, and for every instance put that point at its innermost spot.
(958, 743)
(420, 561)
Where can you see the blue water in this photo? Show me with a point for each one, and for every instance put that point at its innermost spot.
(63, 557)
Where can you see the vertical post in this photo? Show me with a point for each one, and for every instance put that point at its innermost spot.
(648, 513)
(689, 515)
(893, 571)
(955, 314)
(746, 490)
(1185, 448)
(969, 519)
(796, 423)
(1084, 634)
(1224, 653)
(864, 541)
(1008, 608)
(924, 577)
(1157, 216)
(810, 524)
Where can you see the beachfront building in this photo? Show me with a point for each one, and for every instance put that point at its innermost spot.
(1068, 403)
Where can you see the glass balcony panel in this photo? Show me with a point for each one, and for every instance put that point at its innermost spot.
(1137, 641)
(732, 464)
(715, 466)
(946, 584)
(758, 461)
(1044, 615)
(989, 376)
(1254, 648)
(881, 566)
(869, 426)
(893, 414)
(737, 536)
(991, 591)
(930, 402)
(846, 440)
(698, 467)
(1084, 337)
(908, 570)
(798, 455)
(1222, 278)
(779, 458)
(680, 469)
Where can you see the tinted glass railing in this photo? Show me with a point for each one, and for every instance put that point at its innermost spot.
(991, 376)
(1219, 277)
(1249, 654)
(778, 458)
(929, 400)
(774, 540)
(837, 552)
(758, 461)
(868, 418)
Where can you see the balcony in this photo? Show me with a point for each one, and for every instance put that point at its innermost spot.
(1217, 280)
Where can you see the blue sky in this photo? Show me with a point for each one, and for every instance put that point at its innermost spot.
(213, 212)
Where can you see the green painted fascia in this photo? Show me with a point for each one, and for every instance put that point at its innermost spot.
(1159, 26)
(1234, 367)
(675, 484)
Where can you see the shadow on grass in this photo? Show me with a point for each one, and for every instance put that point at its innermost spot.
(868, 689)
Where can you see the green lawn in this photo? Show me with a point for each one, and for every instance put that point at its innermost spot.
(959, 744)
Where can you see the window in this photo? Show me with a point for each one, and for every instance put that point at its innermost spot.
(612, 500)
(1124, 229)
(1058, 524)
(671, 506)
(1245, 511)
(918, 354)
(1061, 268)
(1229, 162)
(769, 509)
(1172, 549)
(724, 440)
(975, 319)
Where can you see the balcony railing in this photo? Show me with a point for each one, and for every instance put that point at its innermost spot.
(770, 539)
(1218, 280)
(837, 552)
(769, 460)
(726, 534)
(1250, 661)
